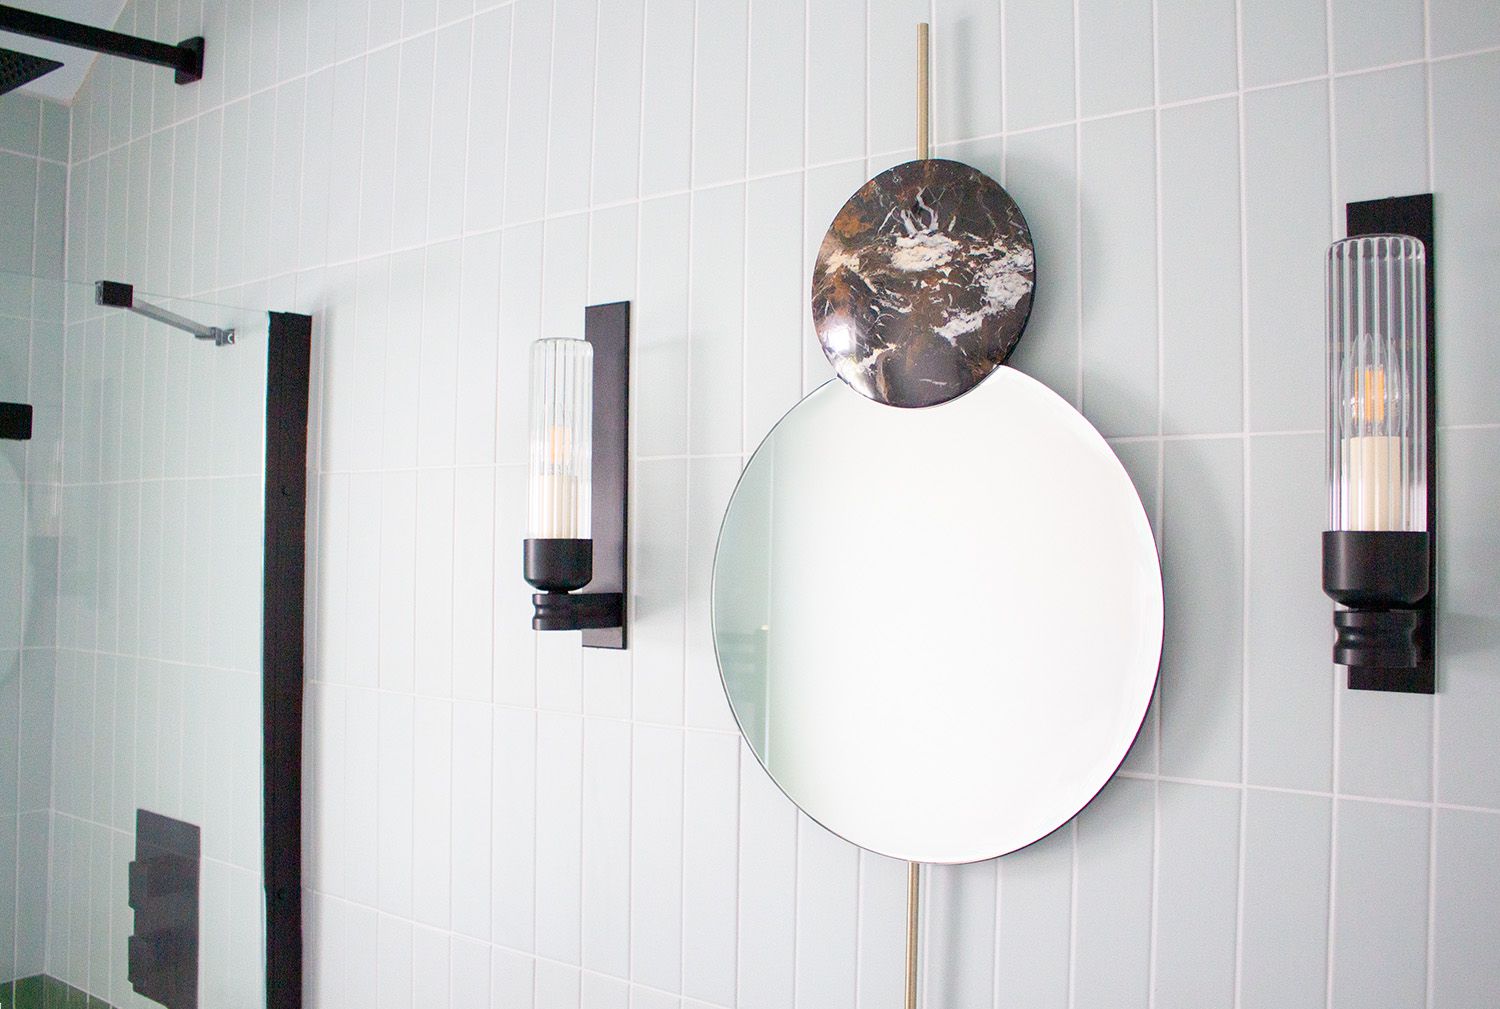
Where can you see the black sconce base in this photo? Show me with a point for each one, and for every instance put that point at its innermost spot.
(578, 611)
(1384, 636)
(558, 565)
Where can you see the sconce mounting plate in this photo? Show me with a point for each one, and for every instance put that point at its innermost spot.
(607, 329)
(1410, 215)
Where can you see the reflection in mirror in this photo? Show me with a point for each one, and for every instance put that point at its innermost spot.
(939, 629)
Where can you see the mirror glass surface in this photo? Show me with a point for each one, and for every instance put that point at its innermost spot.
(939, 629)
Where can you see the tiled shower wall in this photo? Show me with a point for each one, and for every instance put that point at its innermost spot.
(495, 817)
(33, 202)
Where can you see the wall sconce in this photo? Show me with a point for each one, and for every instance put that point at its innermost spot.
(578, 502)
(1379, 553)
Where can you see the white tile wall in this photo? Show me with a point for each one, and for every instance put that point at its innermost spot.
(497, 816)
(33, 195)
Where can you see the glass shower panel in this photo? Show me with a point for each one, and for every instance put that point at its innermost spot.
(140, 530)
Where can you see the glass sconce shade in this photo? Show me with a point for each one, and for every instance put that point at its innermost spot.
(1377, 384)
(562, 398)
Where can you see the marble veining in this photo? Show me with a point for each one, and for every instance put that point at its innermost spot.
(923, 283)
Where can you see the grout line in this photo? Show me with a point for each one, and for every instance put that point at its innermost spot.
(1154, 941)
(1247, 512)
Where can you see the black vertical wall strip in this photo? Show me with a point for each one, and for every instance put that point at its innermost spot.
(288, 361)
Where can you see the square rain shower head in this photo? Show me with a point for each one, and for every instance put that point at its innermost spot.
(18, 69)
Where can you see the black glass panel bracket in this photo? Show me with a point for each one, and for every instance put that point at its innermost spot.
(599, 565)
(115, 294)
(1387, 582)
(185, 59)
(288, 363)
(162, 953)
(15, 421)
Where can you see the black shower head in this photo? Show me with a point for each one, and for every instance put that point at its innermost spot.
(17, 69)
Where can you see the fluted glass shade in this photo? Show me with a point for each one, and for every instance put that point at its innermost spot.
(1377, 384)
(562, 398)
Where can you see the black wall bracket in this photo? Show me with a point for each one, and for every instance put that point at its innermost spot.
(185, 59)
(15, 421)
(600, 564)
(1387, 634)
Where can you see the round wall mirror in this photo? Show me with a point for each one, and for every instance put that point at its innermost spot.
(939, 629)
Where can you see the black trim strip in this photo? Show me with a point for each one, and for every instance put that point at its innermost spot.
(288, 362)
(186, 58)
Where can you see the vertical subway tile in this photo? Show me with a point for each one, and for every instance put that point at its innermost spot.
(709, 865)
(378, 160)
(1287, 220)
(362, 785)
(473, 583)
(661, 325)
(616, 162)
(767, 895)
(434, 583)
(393, 964)
(835, 81)
(1113, 897)
(716, 322)
(1375, 33)
(1456, 26)
(656, 830)
(720, 92)
(667, 97)
(961, 928)
(1291, 682)
(570, 130)
(660, 576)
(1202, 353)
(469, 984)
(606, 847)
(1380, 905)
(1466, 147)
(1196, 895)
(881, 970)
(313, 220)
(775, 301)
(431, 971)
(1468, 631)
(450, 119)
(1283, 40)
(514, 660)
(1196, 47)
(826, 921)
(1385, 743)
(1380, 126)
(520, 324)
(437, 386)
(1038, 66)
(1041, 172)
(395, 767)
(472, 796)
(1202, 668)
(397, 601)
(1034, 947)
(345, 136)
(513, 833)
(560, 778)
(526, 121)
(710, 484)
(432, 812)
(489, 84)
(969, 65)
(891, 75)
(478, 350)
(776, 104)
(1465, 971)
(1115, 49)
(1119, 274)
(1284, 936)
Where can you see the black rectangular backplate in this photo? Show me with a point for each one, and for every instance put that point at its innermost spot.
(162, 953)
(15, 421)
(1411, 215)
(288, 367)
(607, 329)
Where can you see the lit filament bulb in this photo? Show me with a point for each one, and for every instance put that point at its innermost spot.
(1372, 459)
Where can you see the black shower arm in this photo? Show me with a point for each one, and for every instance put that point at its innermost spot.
(186, 58)
(114, 294)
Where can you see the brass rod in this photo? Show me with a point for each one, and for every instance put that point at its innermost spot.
(913, 883)
(924, 146)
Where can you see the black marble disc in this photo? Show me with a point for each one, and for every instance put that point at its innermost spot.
(923, 283)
